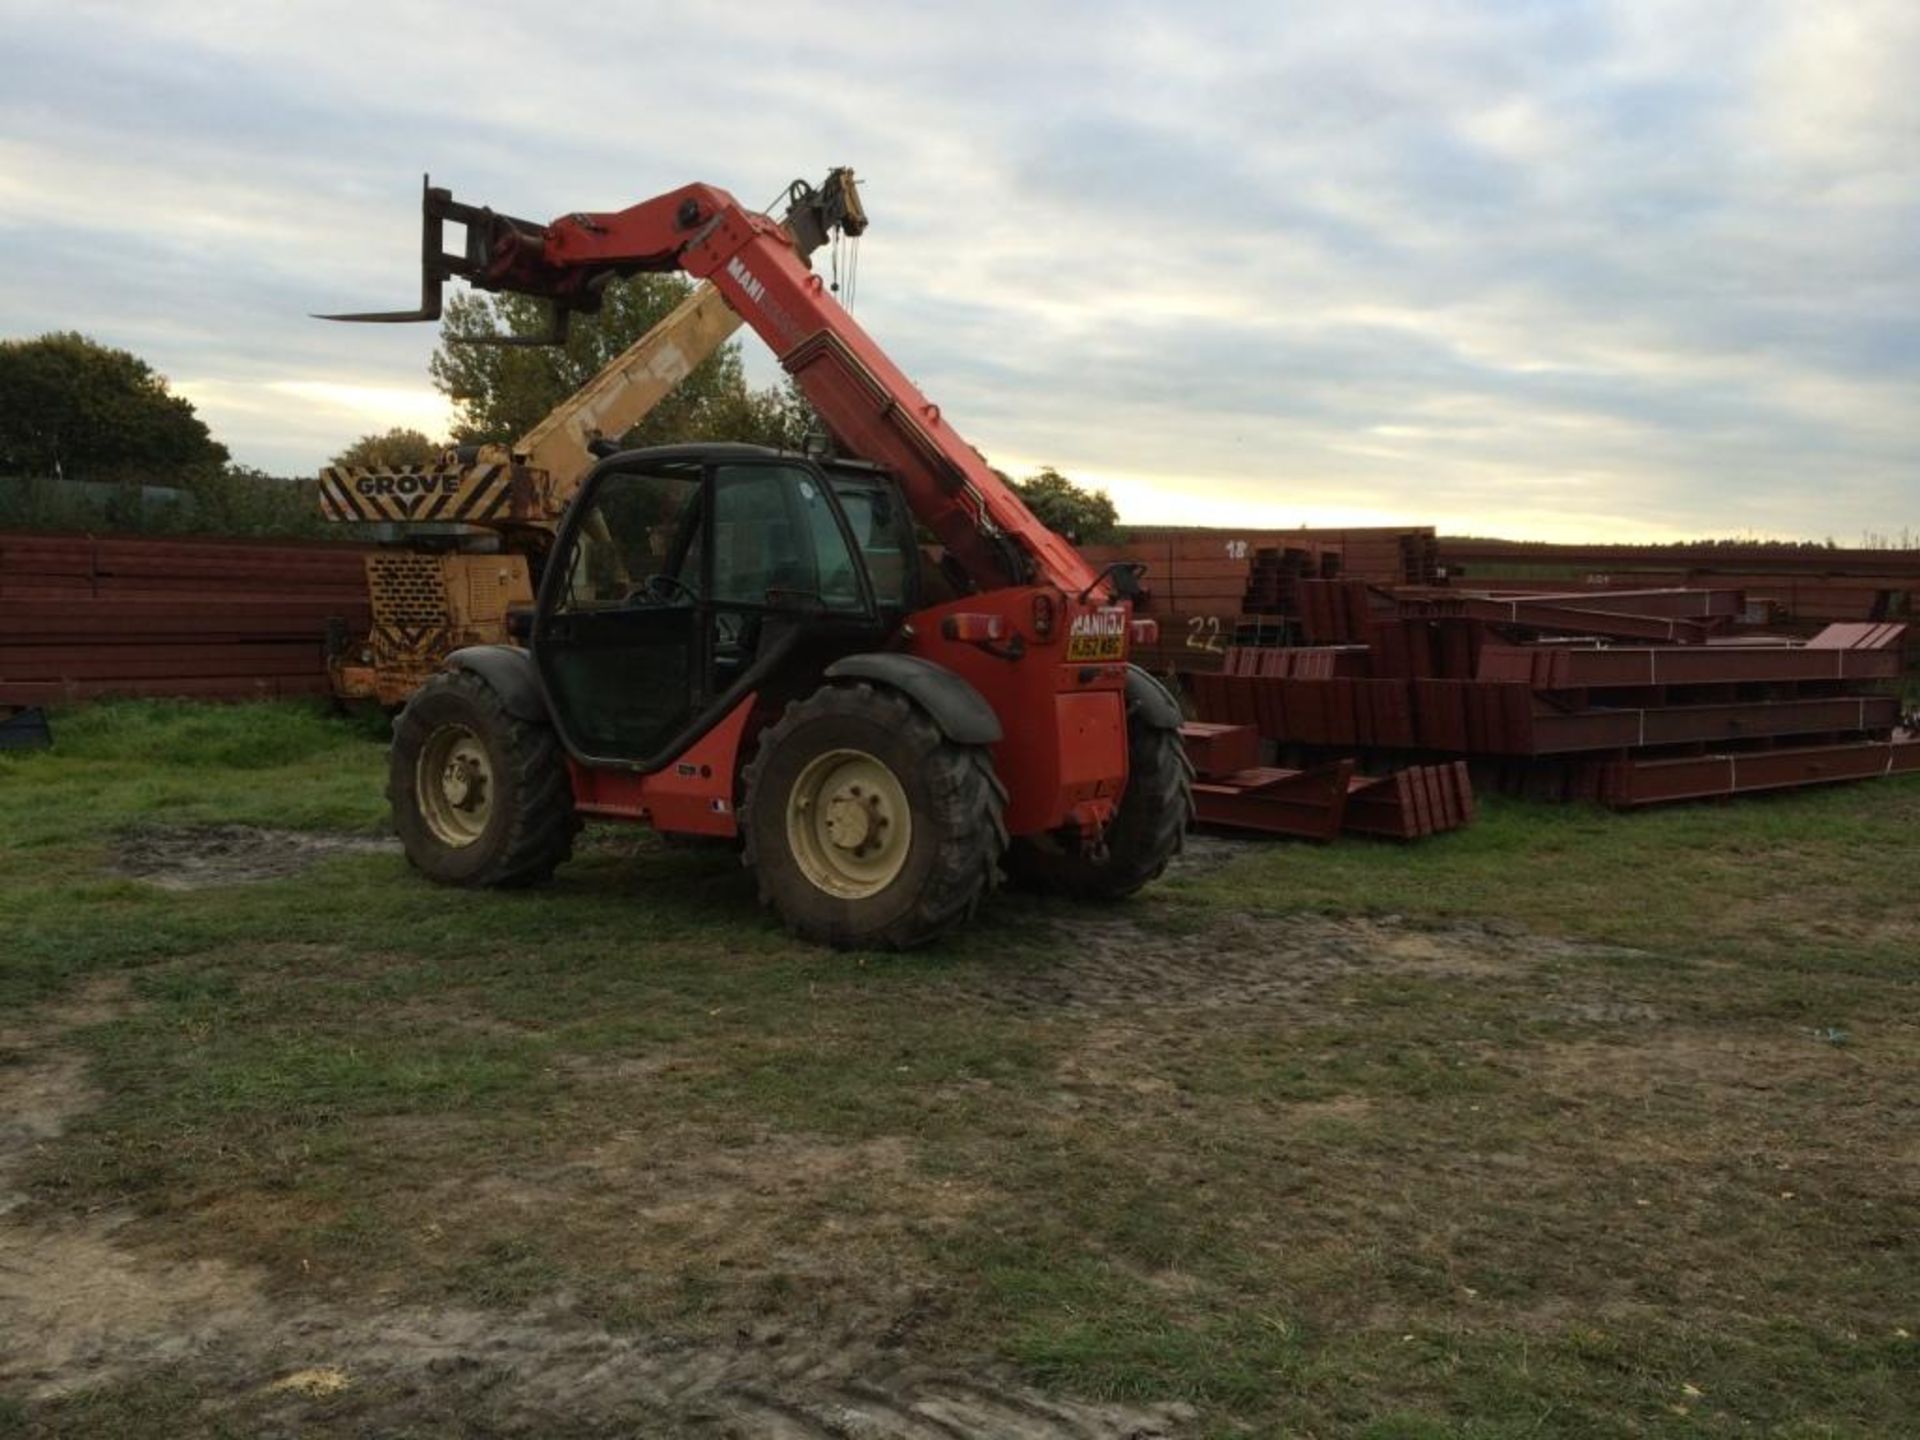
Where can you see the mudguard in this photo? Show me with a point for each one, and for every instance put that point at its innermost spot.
(960, 711)
(1150, 702)
(509, 670)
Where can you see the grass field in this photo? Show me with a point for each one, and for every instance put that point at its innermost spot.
(1571, 1124)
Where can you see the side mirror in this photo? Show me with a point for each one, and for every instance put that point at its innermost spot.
(520, 623)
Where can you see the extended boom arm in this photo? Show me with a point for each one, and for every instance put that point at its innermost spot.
(759, 267)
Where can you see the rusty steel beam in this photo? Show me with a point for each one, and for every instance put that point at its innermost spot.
(1669, 602)
(182, 687)
(1551, 734)
(1625, 784)
(1410, 803)
(1306, 804)
(1548, 667)
(1220, 750)
(1558, 618)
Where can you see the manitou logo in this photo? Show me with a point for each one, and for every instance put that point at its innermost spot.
(745, 276)
(1103, 624)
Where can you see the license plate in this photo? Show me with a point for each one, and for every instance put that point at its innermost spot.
(1098, 634)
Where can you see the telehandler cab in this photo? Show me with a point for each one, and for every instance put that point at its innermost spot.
(735, 642)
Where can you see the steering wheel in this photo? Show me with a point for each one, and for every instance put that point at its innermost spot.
(662, 587)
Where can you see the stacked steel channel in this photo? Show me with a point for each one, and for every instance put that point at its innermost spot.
(84, 616)
(1804, 586)
(1627, 698)
(1234, 791)
(1213, 589)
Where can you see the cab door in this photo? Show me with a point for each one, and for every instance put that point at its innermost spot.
(783, 571)
(678, 588)
(619, 637)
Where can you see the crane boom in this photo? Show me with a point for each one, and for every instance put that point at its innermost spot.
(758, 266)
(625, 391)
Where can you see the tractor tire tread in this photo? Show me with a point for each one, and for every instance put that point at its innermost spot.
(541, 820)
(968, 813)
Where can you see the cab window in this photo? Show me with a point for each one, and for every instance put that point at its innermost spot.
(884, 533)
(638, 540)
(776, 541)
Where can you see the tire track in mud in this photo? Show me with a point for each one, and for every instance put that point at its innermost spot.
(79, 1307)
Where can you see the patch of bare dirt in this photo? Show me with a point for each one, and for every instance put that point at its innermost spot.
(1697, 1063)
(80, 1307)
(1243, 960)
(199, 857)
(1599, 1011)
(772, 1165)
(41, 1086)
(1201, 852)
(73, 1304)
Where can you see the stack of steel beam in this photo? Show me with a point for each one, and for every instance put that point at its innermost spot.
(1335, 612)
(84, 616)
(1233, 791)
(1213, 589)
(1807, 586)
(1629, 698)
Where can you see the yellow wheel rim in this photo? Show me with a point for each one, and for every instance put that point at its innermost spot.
(848, 824)
(454, 780)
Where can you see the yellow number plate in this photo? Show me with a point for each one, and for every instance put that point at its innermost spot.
(1098, 635)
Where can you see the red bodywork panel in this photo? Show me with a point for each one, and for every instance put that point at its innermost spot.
(1059, 694)
(1063, 754)
(692, 796)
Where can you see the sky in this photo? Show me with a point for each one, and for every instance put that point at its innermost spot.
(1555, 270)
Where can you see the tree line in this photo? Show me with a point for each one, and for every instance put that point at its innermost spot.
(91, 437)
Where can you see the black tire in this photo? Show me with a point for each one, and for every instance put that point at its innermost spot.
(1146, 832)
(529, 823)
(955, 801)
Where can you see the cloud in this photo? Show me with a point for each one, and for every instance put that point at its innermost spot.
(1590, 268)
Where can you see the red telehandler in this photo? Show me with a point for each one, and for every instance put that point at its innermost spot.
(735, 642)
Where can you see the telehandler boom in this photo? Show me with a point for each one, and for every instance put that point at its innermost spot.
(428, 599)
(731, 641)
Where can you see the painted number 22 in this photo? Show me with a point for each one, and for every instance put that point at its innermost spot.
(1203, 633)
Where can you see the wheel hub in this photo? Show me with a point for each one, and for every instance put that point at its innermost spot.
(454, 784)
(848, 824)
(464, 783)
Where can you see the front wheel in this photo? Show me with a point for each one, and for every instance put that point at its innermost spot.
(865, 826)
(480, 797)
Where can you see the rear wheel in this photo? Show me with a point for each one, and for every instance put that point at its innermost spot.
(865, 826)
(1144, 834)
(480, 797)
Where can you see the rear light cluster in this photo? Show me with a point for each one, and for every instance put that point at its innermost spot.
(973, 627)
(1045, 613)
